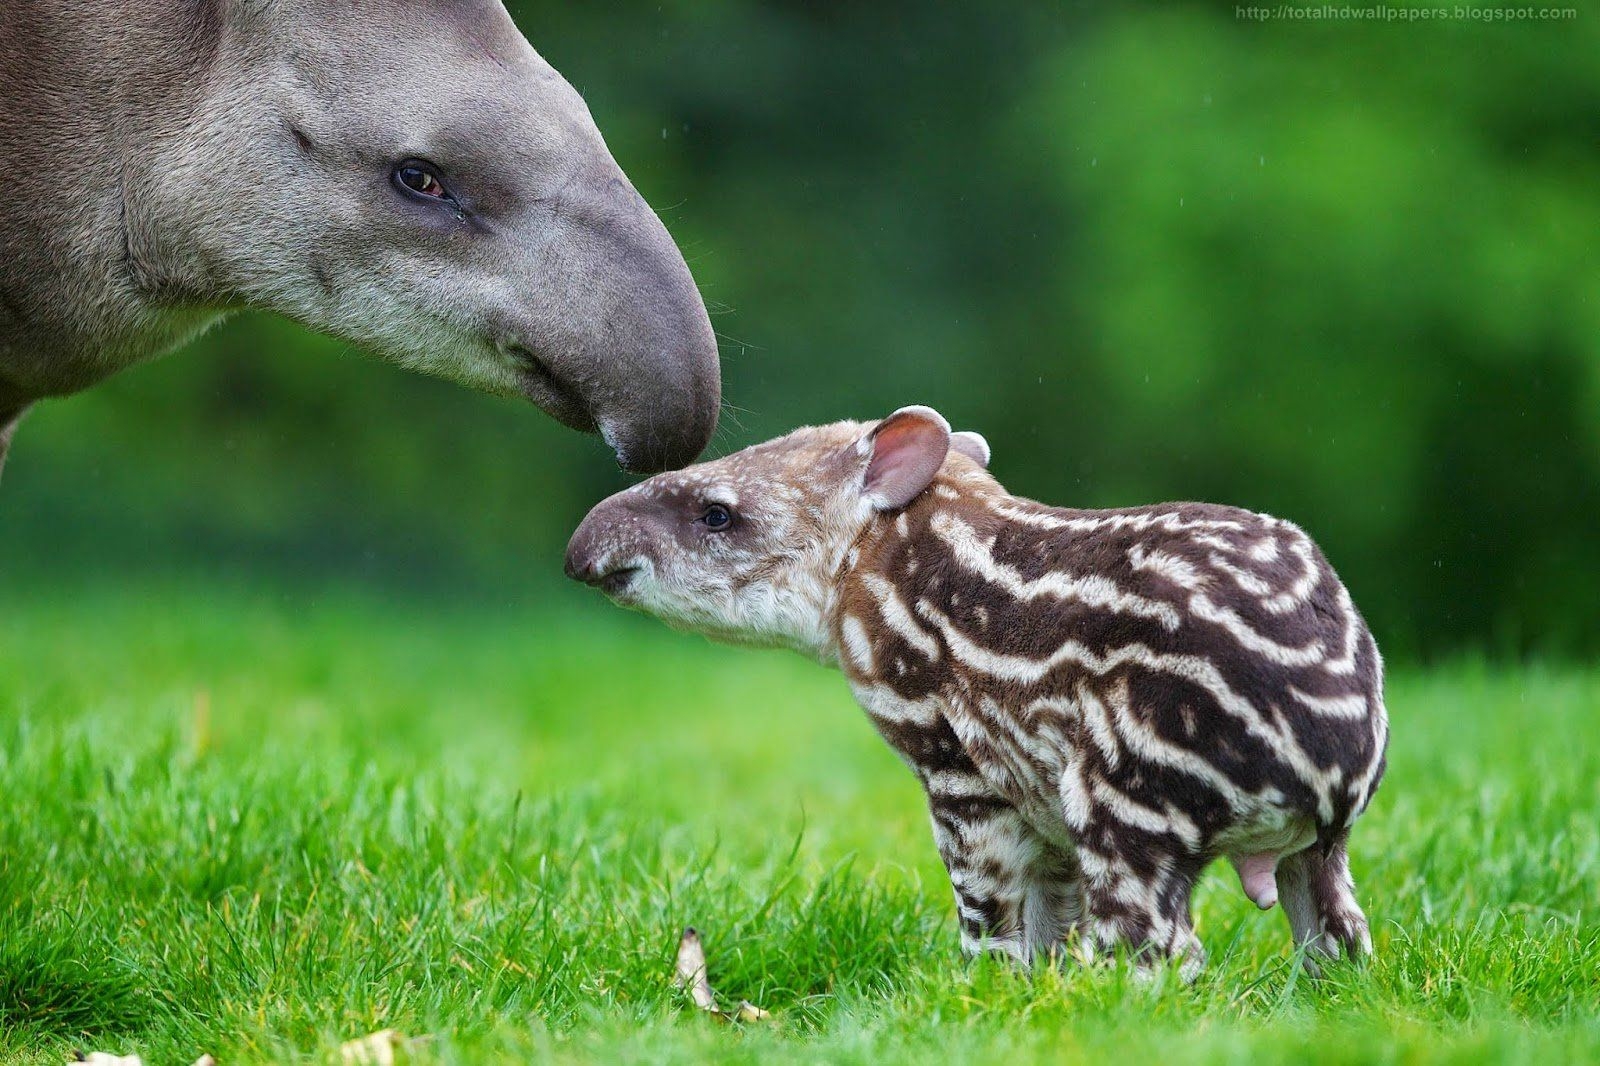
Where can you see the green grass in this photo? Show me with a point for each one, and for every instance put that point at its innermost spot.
(491, 825)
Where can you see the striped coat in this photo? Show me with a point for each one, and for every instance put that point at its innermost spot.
(1097, 703)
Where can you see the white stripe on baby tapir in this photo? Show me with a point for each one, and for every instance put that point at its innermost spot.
(1333, 706)
(1346, 662)
(1183, 574)
(884, 704)
(1282, 654)
(1201, 672)
(1178, 571)
(975, 554)
(956, 785)
(1129, 811)
(1102, 732)
(1170, 521)
(1074, 790)
(1221, 543)
(1247, 581)
(1364, 784)
(856, 643)
(1112, 719)
(899, 619)
(1310, 577)
(1166, 520)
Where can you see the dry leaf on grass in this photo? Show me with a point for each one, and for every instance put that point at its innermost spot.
(691, 974)
(749, 1012)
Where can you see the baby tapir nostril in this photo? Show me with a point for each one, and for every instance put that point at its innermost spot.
(593, 557)
(581, 556)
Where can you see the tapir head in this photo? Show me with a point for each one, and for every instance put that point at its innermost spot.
(411, 176)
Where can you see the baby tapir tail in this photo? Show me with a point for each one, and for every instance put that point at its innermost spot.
(1318, 896)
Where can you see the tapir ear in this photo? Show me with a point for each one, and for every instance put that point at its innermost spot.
(972, 445)
(906, 450)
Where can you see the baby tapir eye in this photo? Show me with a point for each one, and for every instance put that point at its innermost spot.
(717, 517)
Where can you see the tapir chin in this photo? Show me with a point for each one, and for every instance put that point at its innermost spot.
(408, 175)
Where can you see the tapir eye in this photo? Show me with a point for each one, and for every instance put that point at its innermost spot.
(717, 517)
(419, 179)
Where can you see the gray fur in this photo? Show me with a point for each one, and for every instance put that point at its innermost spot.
(170, 161)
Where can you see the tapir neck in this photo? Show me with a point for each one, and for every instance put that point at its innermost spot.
(90, 91)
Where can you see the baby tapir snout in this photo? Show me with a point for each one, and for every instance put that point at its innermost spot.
(611, 543)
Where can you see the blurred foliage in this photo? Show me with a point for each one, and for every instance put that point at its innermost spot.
(1339, 271)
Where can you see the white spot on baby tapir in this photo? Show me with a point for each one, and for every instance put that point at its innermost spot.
(1186, 714)
(1217, 541)
(1086, 759)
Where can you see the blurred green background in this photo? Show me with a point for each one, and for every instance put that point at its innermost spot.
(1342, 272)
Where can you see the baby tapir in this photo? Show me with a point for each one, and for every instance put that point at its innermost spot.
(1098, 703)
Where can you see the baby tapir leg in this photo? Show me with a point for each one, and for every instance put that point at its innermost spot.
(1017, 893)
(1055, 900)
(1318, 897)
(1136, 893)
(994, 858)
(1137, 878)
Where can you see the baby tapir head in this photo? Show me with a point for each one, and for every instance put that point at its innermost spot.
(748, 548)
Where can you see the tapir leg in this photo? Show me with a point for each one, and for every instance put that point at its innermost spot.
(1319, 898)
(1136, 889)
(990, 852)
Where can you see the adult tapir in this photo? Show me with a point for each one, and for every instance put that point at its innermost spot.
(408, 175)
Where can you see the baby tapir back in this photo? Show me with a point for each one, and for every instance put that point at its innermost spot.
(1098, 703)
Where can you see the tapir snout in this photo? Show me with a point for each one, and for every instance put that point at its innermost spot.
(616, 337)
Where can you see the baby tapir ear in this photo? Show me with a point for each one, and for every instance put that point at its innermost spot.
(907, 449)
(972, 445)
